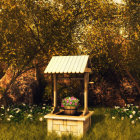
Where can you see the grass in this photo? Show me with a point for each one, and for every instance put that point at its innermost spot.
(103, 128)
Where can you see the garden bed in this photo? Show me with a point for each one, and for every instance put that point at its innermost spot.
(103, 126)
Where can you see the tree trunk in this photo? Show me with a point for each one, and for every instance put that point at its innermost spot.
(133, 79)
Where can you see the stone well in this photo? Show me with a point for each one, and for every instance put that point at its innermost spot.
(57, 121)
(64, 124)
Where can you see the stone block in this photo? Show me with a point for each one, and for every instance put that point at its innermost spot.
(56, 127)
(49, 125)
(71, 122)
(80, 127)
(74, 128)
(58, 122)
(64, 128)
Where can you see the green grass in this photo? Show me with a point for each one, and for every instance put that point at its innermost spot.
(103, 128)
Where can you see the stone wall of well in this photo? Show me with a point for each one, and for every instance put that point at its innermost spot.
(74, 127)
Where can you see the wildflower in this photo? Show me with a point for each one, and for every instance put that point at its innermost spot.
(131, 116)
(113, 117)
(24, 104)
(62, 105)
(122, 118)
(8, 119)
(125, 110)
(10, 116)
(2, 107)
(116, 107)
(133, 122)
(128, 105)
(18, 110)
(41, 119)
(75, 103)
(8, 109)
(70, 102)
(133, 112)
(43, 107)
(29, 115)
(31, 110)
(137, 106)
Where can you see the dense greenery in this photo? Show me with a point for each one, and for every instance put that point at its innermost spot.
(103, 127)
(23, 112)
(31, 31)
(129, 111)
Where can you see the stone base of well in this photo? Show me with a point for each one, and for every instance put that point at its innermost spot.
(65, 124)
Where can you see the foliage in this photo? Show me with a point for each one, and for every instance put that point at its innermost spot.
(129, 111)
(18, 113)
(70, 101)
(102, 127)
(32, 31)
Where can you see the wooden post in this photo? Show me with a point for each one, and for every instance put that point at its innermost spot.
(55, 108)
(86, 80)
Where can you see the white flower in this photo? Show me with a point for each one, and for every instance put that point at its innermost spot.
(133, 112)
(41, 119)
(31, 110)
(8, 119)
(2, 114)
(2, 107)
(116, 107)
(128, 105)
(29, 115)
(18, 111)
(139, 118)
(43, 107)
(131, 104)
(24, 104)
(8, 109)
(113, 117)
(125, 110)
(131, 116)
(133, 122)
(137, 106)
(10, 116)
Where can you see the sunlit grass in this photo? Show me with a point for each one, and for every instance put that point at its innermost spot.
(103, 128)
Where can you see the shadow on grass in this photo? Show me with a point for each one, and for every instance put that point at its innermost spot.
(96, 119)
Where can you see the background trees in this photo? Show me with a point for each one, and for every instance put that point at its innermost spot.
(31, 31)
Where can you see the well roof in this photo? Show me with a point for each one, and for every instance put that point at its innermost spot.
(67, 64)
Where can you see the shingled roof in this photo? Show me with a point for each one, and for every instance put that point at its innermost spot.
(67, 64)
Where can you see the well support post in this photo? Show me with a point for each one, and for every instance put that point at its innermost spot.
(86, 80)
(55, 108)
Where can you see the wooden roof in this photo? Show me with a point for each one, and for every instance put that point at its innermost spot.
(67, 64)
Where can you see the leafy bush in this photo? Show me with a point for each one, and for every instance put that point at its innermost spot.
(129, 111)
(18, 113)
